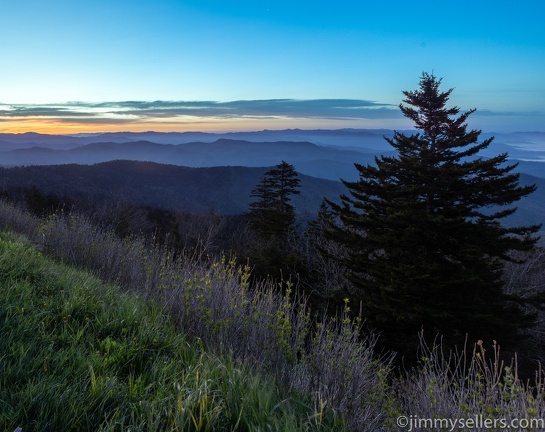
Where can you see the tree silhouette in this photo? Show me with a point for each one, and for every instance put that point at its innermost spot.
(425, 246)
(272, 215)
(272, 222)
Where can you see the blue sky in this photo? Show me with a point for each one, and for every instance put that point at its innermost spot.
(72, 66)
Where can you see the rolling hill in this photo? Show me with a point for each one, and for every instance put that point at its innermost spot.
(326, 154)
(197, 171)
(225, 190)
(308, 158)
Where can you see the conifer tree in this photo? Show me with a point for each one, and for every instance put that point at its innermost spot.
(423, 232)
(272, 215)
(272, 220)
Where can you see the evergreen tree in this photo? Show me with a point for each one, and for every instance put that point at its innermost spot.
(272, 220)
(422, 231)
(272, 216)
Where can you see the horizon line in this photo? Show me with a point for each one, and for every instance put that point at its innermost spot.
(234, 116)
(248, 131)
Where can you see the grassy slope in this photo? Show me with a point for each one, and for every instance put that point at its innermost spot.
(76, 354)
(149, 376)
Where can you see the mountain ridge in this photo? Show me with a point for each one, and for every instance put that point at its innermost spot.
(222, 189)
(225, 190)
(325, 161)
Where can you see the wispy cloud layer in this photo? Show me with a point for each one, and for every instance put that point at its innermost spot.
(137, 111)
(233, 115)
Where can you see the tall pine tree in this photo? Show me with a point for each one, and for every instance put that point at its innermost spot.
(423, 231)
(272, 222)
(272, 215)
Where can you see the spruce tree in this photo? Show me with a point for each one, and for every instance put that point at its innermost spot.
(272, 221)
(423, 233)
(272, 215)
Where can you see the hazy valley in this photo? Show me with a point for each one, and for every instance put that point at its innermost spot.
(320, 153)
(198, 172)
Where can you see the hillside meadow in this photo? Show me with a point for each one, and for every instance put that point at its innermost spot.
(78, 354)
(103, 333)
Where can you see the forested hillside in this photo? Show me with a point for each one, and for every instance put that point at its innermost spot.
(102, 360)
(224, 190)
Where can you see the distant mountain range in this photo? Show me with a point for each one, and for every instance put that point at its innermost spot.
(329, 154)
(308, 158)
(226, 190)
(197, 171)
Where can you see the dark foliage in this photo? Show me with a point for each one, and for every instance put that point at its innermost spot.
(271, 221)
(424, 248)
(37, 201)
(225, 189)
(272, 215)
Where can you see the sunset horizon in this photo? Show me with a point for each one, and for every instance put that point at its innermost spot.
(237, 116)
(238, 66)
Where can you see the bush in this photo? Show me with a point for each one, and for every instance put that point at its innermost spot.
(470, 385)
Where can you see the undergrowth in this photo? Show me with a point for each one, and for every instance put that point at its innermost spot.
(330, 360)
(76, 354)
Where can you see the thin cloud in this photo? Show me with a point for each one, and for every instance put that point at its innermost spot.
(137, 111)
(290, 108)
(14, 111)
(96, 120)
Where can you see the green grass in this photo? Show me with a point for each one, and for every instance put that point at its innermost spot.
(77, 354)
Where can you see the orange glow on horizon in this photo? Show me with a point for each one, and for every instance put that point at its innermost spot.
(55, 127)
(66, 128)
(205, 124)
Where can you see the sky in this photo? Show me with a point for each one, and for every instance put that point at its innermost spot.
(178, 65)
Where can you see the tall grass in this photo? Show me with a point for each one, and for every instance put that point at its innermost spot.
(214, 303)
(473, 385)
(326, 358)
(77, 355)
